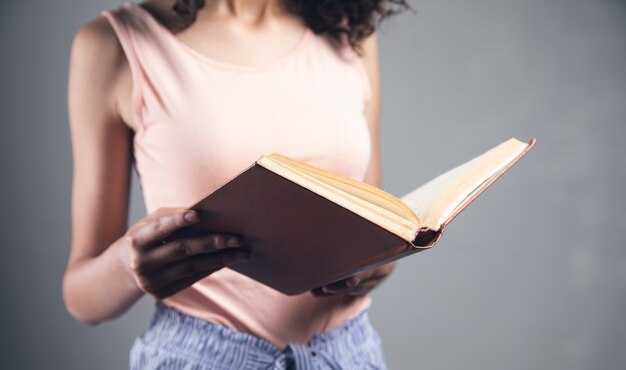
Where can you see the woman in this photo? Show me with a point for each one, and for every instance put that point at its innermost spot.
(192, 93)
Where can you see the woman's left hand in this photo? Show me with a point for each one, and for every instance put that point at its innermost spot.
(358, 284)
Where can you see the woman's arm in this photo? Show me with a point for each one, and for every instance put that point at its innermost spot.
(367, 280)
(96, 285)
(109, 267)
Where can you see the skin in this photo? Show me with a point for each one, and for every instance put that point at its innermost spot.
(111, 266)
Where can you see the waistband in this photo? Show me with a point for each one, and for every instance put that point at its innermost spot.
(172, 330)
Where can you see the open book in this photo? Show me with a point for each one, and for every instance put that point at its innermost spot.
(307, 227)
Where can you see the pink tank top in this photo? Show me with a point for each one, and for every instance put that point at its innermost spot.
(202, 121)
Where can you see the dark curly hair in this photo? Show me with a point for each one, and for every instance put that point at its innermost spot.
(348, 21)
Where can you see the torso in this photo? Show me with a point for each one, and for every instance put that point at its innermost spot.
(192, 137)
(219, 38)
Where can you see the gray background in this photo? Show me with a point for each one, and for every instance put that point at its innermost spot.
(532, 275)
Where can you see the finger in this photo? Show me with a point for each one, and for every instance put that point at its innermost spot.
(195, 265)
(358, 290)
(351, 284)
(376, 278)
(325, 291)
(179, 285)
(340, 284)
(319, 292)
(336, 289)
(364, 288)
(376, 273)
(366, 276)
(160, 226)
(343, 284)
(187, 247)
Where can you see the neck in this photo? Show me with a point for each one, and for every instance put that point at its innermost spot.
(248, 11)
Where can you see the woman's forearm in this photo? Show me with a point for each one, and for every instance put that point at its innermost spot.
(99, 288)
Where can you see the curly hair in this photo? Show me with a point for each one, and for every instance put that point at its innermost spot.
(343, 21)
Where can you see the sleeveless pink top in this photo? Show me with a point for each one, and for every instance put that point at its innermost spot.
(202, 121)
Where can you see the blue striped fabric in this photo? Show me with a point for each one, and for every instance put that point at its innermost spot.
(175, 340)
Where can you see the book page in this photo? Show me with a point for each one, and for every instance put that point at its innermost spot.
(381, 216)
(476, 190)
(477, 177)
(359, 189)
(421, 199)
(438, 199)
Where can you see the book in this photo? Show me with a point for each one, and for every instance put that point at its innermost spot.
(307, 227)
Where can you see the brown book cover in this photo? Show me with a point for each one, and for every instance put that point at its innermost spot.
(300, 240)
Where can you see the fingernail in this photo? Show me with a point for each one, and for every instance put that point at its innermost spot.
(191, 216)
(353, 281)
(233, 242)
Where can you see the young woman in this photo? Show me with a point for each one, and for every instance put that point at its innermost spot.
(192, 92)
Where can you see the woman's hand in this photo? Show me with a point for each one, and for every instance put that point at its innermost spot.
(358, 284)
(160, 268)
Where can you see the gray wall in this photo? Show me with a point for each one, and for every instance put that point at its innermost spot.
(532, 275)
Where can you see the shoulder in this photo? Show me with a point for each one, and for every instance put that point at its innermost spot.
(97, 62)
(97, 76)
(96, 51)
(96, 40)
(99, 38)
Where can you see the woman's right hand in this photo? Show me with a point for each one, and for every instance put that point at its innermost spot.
(161, 269)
